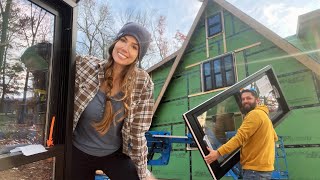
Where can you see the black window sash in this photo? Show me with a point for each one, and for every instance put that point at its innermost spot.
(222, 73)
(214, 24)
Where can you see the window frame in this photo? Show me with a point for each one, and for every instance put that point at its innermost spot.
(216, 169)
(215, 24)
(60, 91)
(223, 71)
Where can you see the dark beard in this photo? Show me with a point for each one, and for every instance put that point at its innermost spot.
(246, 109)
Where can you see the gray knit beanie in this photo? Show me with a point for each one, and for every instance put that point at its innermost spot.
(140, 33)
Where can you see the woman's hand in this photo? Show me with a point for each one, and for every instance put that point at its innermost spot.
(212, 156)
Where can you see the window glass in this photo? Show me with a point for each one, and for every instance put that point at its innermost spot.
(25, 74)
(230, 78)
(207, 68)
(214, 19)
(267, 94)
(219, 122)
(223, 72)
(208, 83)
(218, 80)
(217, 65)
(214, 30)
(214, 24)
(228, 62)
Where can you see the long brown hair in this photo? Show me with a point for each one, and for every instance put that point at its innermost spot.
(127, 82)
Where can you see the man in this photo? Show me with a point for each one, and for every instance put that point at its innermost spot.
(256, 137)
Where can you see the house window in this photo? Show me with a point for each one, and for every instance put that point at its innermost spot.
(214, 24)
(218, 72)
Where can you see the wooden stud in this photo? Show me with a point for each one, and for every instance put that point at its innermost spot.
(207, 40)
(247, 47)
(202, 93)
(223, 33)
(237, 50)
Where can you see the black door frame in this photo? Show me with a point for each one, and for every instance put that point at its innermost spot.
(61, 90)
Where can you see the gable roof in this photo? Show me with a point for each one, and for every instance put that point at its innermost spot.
(162, 62)
(267, 33)
(295, 41)
(273, 37)
(179, 55)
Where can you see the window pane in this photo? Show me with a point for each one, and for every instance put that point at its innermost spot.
(214, 20)
(228, 62)
(40, 170)
(267, 95)
(208, 82)
(220, 122)
(217, 66)
(206, 69)
(26, 75)
(230, 78)
(218, 80)
(215, 29)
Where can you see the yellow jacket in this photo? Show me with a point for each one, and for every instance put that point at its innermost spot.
(256, 137)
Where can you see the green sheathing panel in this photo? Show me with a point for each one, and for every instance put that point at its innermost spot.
(162, 128)
(240, 64)
(162, 72)
(159, 76)
(192, 57)
(194, 80)
(178, 167)
(271, 56)
(157, 89)
(179, 130)
(301, 126)
(177, 88)
(299, 89)
(239, 35)
(307, 38)
(310, 43)
(304, 46)
(303, 163)
(199, 169)
(196, 100)
(170, 112)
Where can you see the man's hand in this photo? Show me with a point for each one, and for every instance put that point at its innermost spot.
(212, 156)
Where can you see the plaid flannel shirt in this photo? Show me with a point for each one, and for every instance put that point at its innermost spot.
(89, 73)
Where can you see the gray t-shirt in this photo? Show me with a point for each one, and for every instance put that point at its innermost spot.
(87, 139)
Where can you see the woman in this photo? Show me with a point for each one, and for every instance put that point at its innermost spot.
(113, 110)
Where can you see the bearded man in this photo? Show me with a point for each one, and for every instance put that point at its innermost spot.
(256, 138)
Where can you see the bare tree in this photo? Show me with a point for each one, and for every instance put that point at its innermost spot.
(5, 12)
(160, 39)
(9, 70)
(33, 26)
(95, 27)
(178, 40)
(144, 18)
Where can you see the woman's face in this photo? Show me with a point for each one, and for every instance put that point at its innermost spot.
(125, 51)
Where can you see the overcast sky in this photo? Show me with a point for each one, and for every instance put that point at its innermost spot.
(278, 15)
